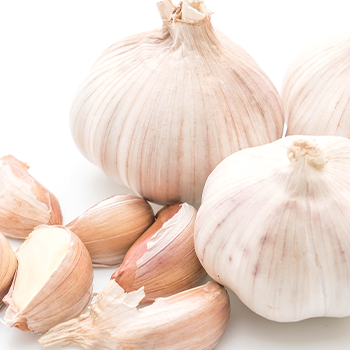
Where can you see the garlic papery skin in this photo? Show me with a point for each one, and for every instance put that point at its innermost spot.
(194, 319)
(8, 266)
(274, 227)
(53, 282)
(109, 228)
(161, 109)
(163, 259)
(24, 202)
(316, 91)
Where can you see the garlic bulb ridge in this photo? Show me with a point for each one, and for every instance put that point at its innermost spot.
(315, 90)
(161, 109)
(274, 227)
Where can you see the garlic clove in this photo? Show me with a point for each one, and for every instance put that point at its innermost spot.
(8, 266)
(315, 90)
(24, 202)
(161, 109)
(163, 259)
(53, 282)
(194, 319)
(109, 228)
(274, 227)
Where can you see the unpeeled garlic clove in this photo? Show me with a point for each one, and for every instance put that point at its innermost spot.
(163, 259)
(24, 202)
(53, 282)
(109, 228)
(8, 266)
(194, 319)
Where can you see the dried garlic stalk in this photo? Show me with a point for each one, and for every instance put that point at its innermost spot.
(274, 227)
(195, 318)
(109, 228)
(161, 109)
(163, 259)
(24, 202)
(53, 282)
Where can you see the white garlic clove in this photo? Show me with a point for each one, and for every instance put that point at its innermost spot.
(196, 318)
(161, 109)
(24, 202)
(316, 90)
(53, 282)
(8, 266)
(163, 259)
(274, 227)
(109, 228)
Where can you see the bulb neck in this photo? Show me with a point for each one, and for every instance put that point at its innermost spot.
(189, 25)
(306, 154)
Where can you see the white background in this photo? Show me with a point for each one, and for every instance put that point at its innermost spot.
(46, 50)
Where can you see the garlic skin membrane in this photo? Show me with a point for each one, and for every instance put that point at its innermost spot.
(111, 227)
(53, 282)
(24, 202)
(316, 91)
(274, 227)
(8, 266)
(161, 109)
(194, 319)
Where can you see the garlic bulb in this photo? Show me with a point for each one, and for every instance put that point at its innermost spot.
(316, 90)
(24, 203)
(161, 109)
(163, 259)
(53, 282)
(8, 265)
(195, 319)
(274, 227)
(109, 228)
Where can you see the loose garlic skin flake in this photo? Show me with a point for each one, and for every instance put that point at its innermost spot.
(8, 266)
(316, 91)
(53, 282)
(161, 109)
(194, 319)
(274, 226)
(24, 202)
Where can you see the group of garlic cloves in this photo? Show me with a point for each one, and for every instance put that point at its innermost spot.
(49, 281)
(168, 113)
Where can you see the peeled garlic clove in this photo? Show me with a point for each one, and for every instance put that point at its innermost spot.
(8, 266)
(316, 91)
(163, 259)
(53, 282)
(109, 228)
(24, 202)
(196, 319)
(274, 227)
(161, 109)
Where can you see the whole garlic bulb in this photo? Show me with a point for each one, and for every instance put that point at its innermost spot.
(274, 227)
(53, 282)
(24, 202)
(161, 109)
(316, 92)
(8, 266)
